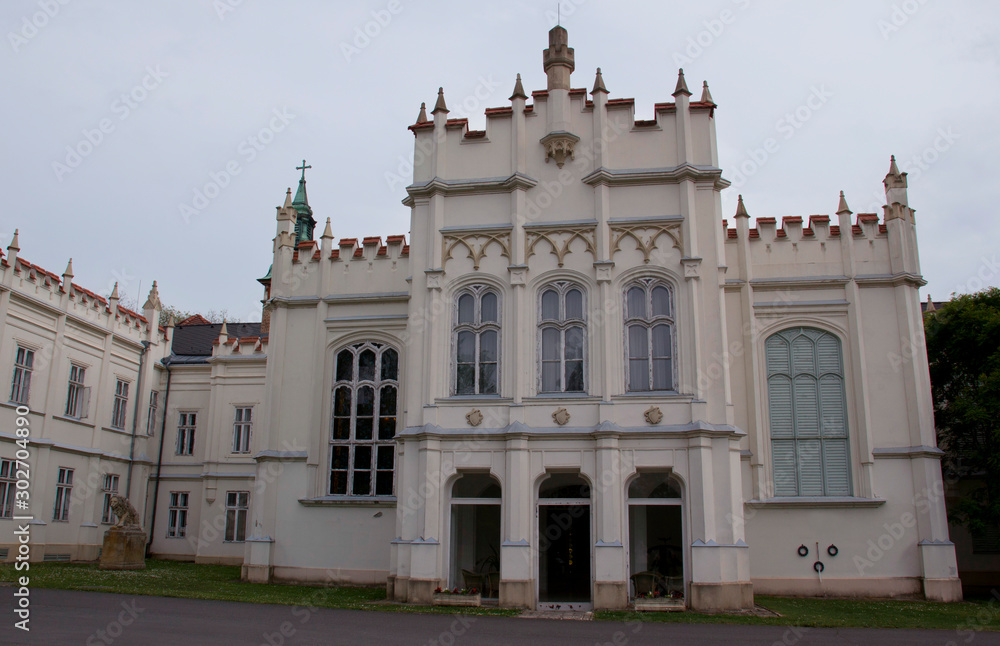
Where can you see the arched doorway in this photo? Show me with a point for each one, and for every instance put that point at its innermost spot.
(656, 537)
(475, 534)
(564, 545)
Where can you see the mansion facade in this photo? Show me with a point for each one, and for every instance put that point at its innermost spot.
(576, 381)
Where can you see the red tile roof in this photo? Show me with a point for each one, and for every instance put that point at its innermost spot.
(427, 125)
(197, 319)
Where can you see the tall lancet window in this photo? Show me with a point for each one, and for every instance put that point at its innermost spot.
(649, 336)
(477, 341)
(808, 414)
(562, 327)
(362, 444)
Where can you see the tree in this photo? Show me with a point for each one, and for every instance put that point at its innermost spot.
(212, 316)
(963, 348)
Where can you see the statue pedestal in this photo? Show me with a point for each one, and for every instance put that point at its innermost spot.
(124, 549)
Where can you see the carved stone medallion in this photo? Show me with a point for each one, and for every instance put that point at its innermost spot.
(474, 417)
(561, 416)
(653, 415)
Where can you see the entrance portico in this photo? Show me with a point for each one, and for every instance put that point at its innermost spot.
(578, 516)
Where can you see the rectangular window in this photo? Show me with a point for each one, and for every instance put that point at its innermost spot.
(110, 488)
(64, 489)
(23, 363)
(241, 429)
(154, 397)
(988, 541)
(75, 395)
(7, 488)
(177, 519)
(121, 405)
(185, 433)
(237, 506)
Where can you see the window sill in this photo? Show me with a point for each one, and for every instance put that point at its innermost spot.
(349, 501)
(653, 395)
(19, 405)
(474, 399)
(577, 397)
(112, 429)
(74, 420)
(815, 502)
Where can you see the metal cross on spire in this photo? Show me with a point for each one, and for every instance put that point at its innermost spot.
(303, 168)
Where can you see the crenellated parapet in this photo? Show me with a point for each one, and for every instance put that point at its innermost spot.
(861, 245)
(562, 129)
(818, 229)
(229, 347)
(63, 296)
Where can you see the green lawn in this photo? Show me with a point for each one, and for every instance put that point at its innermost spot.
(220, 582)
(843, 613)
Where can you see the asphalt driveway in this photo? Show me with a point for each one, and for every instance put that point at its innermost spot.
(94, 618)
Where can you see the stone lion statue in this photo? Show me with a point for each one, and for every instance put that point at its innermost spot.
(126, 513)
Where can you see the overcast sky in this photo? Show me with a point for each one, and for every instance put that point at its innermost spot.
(118, 114)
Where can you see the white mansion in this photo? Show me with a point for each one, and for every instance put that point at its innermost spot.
(576, 382)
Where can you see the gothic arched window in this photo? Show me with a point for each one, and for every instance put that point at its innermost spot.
(562, 326)
(808, 414)
(477, 341)
(649, 336)
(362, 444)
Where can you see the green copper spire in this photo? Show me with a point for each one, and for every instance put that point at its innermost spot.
(305, 223)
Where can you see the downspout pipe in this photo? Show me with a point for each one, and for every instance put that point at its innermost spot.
(135, 417)
(159, 458)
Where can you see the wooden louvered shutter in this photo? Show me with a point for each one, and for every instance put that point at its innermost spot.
(782, 425)
(836, 470)
(808, 414)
